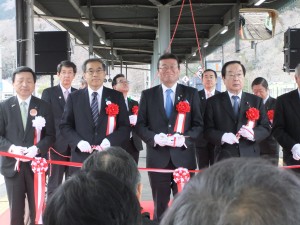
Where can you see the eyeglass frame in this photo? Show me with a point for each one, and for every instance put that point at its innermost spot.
(97, 71)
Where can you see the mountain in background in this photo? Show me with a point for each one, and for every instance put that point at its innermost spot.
(7, 9)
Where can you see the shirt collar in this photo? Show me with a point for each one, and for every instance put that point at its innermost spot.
(164, 87)
(64, 89)
(212, 92)
(231, 94)
(99, 91)
(26, 100)
(266, 99)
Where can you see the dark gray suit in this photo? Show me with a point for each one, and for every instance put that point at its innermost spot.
(269, 148)
(286, 124)
(134, 145)
(152, 120)
(204, 149)
(12, 132)
(54, 95)
(219, 119)
(77, 123)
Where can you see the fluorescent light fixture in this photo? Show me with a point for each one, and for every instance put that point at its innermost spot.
(224, 30)
(85, 24)
(102, 41)
(259, 2)
(205, 45)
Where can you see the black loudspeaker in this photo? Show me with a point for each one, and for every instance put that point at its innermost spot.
(291, 38)
(291, 59)
(51, 47)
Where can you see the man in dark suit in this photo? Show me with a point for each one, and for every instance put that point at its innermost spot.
(134, 145)
(269, 148)
(170, 144)
(57, 97)
(225, 117)
(286, 125)
(17, 136)
(95, 115)
(204, 149)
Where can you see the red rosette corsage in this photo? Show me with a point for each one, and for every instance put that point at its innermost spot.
(270, 114)
(252, 114)
(135, 110)
(183, 107)
(112, 109)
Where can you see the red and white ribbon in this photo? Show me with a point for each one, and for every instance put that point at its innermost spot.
(39, 167)
(111, 124)
(181, 176)
(179, 124)
(37, 136)
(251, 123)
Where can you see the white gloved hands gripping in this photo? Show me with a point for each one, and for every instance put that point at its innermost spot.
(17, 150)
(246, 132)
(229, 138)
(133, 119)
(296, 151)
(105, 143)
(161, 139)
(31, 152)
(176, 140)
(84, 146)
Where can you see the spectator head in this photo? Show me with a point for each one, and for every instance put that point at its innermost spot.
(260, 87)
(93, 198)
(209, 79)
(118, 162)
(66, 71)
(238, 191)
(120, 83)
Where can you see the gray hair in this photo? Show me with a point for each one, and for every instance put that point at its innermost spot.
(238, 191)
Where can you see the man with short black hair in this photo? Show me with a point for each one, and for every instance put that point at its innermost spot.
(18, 114)
(226, 124)
(134, 145)
(57, 97)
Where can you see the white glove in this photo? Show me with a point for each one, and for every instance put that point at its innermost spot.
(31, 152)
(176, 140)
(105, 143)
(296, 151)
(161, 139)
(247, 132)
(229, 138)
(84, 146)
(17, 150)
(133, 119)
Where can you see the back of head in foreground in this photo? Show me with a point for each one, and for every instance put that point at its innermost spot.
(238, 191)
(93, 199)
(116, 161)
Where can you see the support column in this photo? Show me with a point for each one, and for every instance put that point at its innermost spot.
(30, 50)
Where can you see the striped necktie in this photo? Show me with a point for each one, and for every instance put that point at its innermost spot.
(94, 107)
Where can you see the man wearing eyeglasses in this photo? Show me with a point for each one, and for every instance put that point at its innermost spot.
(170, 141)
(95, 116)
(134, 145)
(226, 125)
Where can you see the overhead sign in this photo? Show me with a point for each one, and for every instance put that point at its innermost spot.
(185, 79)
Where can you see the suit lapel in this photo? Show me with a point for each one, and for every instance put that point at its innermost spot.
(60, 96)
(159, 95)
(33, 105)
(16, 113)
(226, 103)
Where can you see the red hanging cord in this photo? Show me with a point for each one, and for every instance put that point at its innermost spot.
(198, 44)
(178, 19)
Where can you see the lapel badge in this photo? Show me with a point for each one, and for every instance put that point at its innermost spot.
(33, 112)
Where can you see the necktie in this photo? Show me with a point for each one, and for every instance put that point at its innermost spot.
(66, 94)
(169, 103)
(235, 105)
(24, 113)
(94, 107)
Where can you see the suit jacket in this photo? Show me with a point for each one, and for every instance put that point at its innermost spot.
(286, 124)
(12, 131)
(269, 145)
(219, 119)
(136, 139)
(77, 122)
(152, 120)
(201, 142)
(54, 95)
